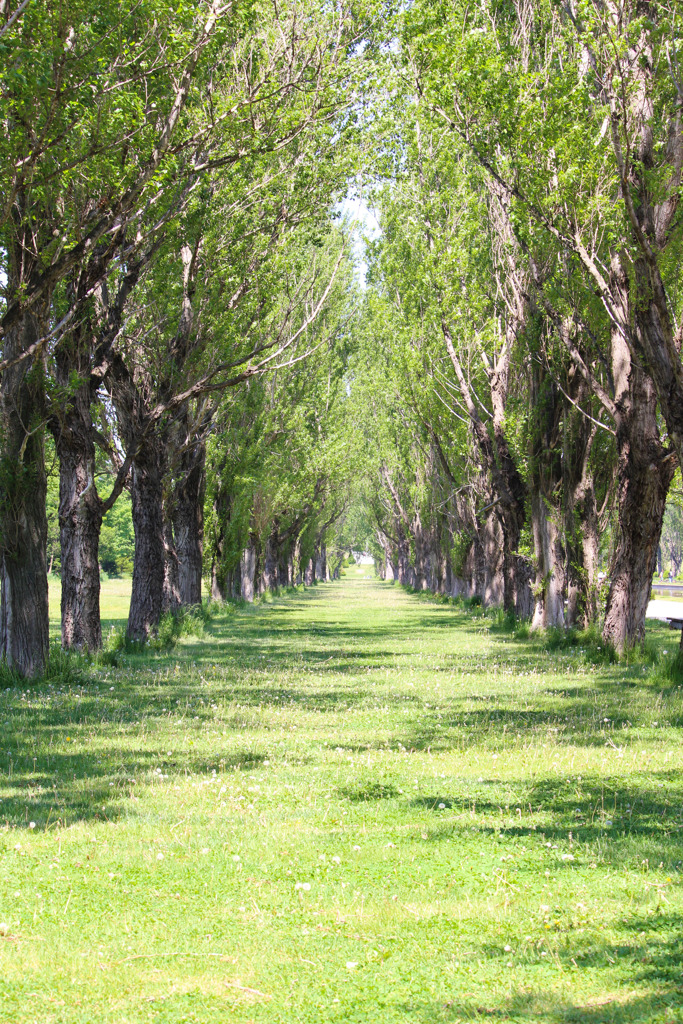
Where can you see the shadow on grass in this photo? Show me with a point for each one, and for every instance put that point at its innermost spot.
(253, 644)
(640, 822)
(648, 952)
(79, 787)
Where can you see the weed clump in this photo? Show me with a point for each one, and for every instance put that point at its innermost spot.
(668, 672)
(177, 624)
(589, 641)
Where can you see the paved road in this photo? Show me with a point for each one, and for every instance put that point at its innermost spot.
(660, 609)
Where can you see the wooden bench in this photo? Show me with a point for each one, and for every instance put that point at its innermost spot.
(674, 623)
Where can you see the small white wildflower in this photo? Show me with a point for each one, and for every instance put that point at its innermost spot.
(205, 849)
(357, 848)
(236, 857)
(337, 860)
(442, 807)
(507, 949)
(160, 856)
(350, 964)
(31, 824)
(4, 928)
(567, 856)
(544, 908)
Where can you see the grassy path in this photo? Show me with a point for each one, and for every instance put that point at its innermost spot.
(349, 805)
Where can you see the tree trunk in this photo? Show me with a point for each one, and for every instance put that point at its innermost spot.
(309, 573)
(545, 472)
(80, 523)
(420, 559)
(524, 598)
(296, 563)
(320, 562)
(646, 469)
(24, 614)
(217, 584)
(403, 558)
(284, 566)
(171, 588)
(492, 546)
(583, 551)
(247, 573)
(270, 566)
(188, 523)
(221, 513)
(549, 588)
(148, 523)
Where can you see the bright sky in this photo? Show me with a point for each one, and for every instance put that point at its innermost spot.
(365, 226)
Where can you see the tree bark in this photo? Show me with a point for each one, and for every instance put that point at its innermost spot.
(171, 589)
(270, 565)
(188, 523)
(581, 521)
(80, 524)
(646, 469)
(549, 587)
(545, 474)
(321, 562)
(148, 522)
(24, 614)
(247, 573)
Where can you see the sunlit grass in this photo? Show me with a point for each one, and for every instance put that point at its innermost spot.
(349, 805)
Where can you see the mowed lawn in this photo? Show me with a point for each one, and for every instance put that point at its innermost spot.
(346, 805)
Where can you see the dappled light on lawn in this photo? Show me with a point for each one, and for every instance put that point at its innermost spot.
(349, 804)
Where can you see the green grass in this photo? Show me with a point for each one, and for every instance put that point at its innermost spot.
(347, 805)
